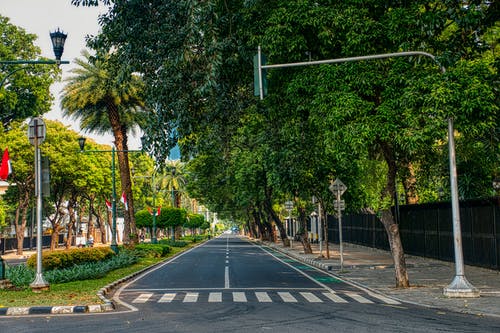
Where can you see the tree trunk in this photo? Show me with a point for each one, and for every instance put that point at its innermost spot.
(302, 232)
(120, 135)
(410, 184)
(398, 255)
(388, 220)
(21, 214)
(268, 207)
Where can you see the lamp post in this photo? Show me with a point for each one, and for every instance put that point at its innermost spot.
(460, 286)
(58, 39)
(289, 207)
(81, 143)
(174, 203)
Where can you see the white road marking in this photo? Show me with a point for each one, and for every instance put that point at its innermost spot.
(358, 298)
(311, 298)
(263, 297)
(215, 297)
(385, 299)
(226, 278)
(142, 298)
(166, 298)
(191, 298)
(239, 297)
(287, 297)
(335, 298)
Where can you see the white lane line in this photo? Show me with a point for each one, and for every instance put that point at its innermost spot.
(239, 297)
(142, 298)
(215, 297)
(263, 297)
(384, 299)
(335, 298)
(311, 298)
(227, 261)
(166, 298)
(358, 298)
(191, 298)
(226, 278)
(287, 297)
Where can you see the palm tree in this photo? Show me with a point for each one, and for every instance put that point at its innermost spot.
(105, 100)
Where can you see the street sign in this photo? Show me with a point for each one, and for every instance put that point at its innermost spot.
(339, 204)
(36, 130)
(338, 186)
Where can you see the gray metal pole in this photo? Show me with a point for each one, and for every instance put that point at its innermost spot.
(39, 283)
(459, 287)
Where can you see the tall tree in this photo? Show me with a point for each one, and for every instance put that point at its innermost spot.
(105, 99)
(24, 89)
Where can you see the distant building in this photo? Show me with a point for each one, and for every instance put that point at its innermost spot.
(3, 187)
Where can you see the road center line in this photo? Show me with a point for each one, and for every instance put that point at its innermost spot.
(226, 278)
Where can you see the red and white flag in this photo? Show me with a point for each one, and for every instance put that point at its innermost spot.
(124, 200)
(108, 204)
(5, 167)
(158, 211)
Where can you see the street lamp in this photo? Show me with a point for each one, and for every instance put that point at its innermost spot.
(460, 286)
(58, 39)
(81, 143)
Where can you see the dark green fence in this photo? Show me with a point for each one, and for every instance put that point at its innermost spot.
(427, 231)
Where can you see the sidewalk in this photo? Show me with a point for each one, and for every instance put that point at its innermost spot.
(374, 269)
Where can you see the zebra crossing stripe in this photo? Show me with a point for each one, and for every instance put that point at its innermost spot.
(287, 297)
(263, 297)
(191, 298)
(239, 297)
(311, 298)
(215, 297)
(358, 298)
(166, 298)
(142, 298)
(335, 298)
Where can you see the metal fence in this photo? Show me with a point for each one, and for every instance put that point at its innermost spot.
(427, 231)
(29, 243)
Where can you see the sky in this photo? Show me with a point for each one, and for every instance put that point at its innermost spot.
(40, 17)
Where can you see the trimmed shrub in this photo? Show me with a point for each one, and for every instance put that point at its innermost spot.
(66, 258)
(152, 250)
(177, 243)
(22, 276)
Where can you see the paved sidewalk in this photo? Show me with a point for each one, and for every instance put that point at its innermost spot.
(374, 269)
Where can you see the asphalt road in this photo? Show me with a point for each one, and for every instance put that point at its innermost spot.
(231, 285)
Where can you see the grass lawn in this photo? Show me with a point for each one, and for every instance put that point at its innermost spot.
(78, 292)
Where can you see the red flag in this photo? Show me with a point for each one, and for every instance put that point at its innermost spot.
(6, 167)
(150, 210)
(158, 211)
(124, 200)
(108, 204)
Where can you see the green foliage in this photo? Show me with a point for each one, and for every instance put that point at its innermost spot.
(152, 250)
(171, 217)
(25, 90)
(173, 243)
(65, 258)
(22, 275)
(143, 219)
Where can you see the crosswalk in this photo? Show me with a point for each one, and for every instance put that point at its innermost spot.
(263, 297)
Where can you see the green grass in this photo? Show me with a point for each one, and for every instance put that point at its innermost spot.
(77, 292)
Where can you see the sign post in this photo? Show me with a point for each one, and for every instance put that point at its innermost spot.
(338, 188)
(36, 135)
